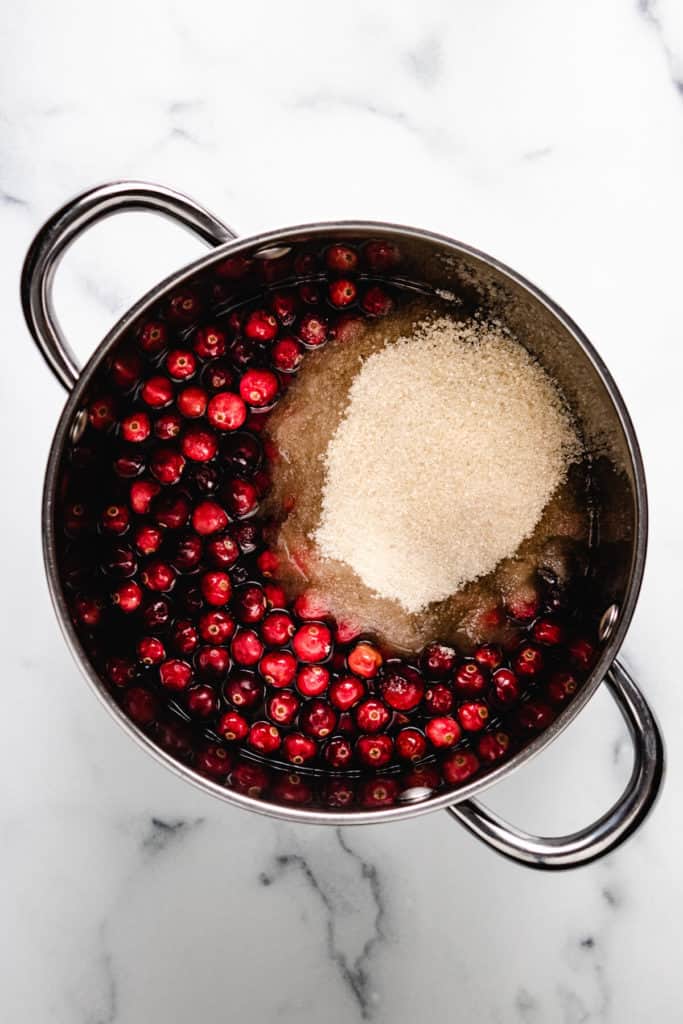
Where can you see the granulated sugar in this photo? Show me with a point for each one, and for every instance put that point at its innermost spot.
(453, 441)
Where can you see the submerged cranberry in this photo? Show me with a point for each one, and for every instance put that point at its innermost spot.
(438, 699)
(284, 306)
(242, 453)
(218, 376)
(287, 355)
(376, 302)
(141, 705)
(171, 510)
(168, 426)
(152, 337)
(188, 553)
(488, 656)
(158, 576)
(241, 497)
(381, 255)
(562, 688)
(459, 766)
(201, 701)
(212, 662)
(338, 753)
(167, 465)
(184, 636)
(341, 258)
(547, 631)
(120, 671)
(213, 760)
(534, 715)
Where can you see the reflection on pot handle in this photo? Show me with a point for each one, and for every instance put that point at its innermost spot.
(66, 225)
(613, 827)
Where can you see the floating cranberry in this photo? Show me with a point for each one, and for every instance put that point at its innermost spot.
(115, 519)
(310, 605)
(216, 627)
(528, 661)
(150, 650)
(299, 749)
(438, 699)
(175, 674)
(188, 553)
(264, 737)
(192, 402)
(489, 656)
(277, 628)
(317, 719)
(562, 688)
(443, 731)
(342, 292)
(410, 744)
(155, 614)
(171, 510)
(345, 693)
(102, 413)
(125, 370)
(375, 751)
(582, 652)
(198, 444)
(140, 705)
(259, 388)
(209, 343)
(287, 355)
(218, 376)
(212, 662)
(201, 701)
(469, 680)
(222, 551)
(213, 760)
(364, 660)
(535, 716)
(226, 411)
(312, 330)
(120, 561)
(243, 689)
(246, 647)
(241, 497)
(136, 427)
(546, 631)
(129, 465)
(459, 766)
(310, 293)
(168, 426)
(372, 715)
(250, 604)
(278, 668)
(120, 671)
(152, 337)
(268, 563)
(506, 686)
(473, 715)
(402, 688)
(184, 306)
(376, 302)
(284, 307)
(233, 726)
(338, 753)
(312, 680)
(493, 746)
(184, 636)
(437, 660)
(216, 588)
(282, 707)
(167, 465)
(312, 641)
(208, 517)
(275, 595)
(157, 392)
(260, 326)
(142, 493)
(127, 596)
(341, 258)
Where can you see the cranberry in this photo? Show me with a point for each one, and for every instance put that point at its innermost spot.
(140, 705)
(157, 392)
(209, 343)
(152, 337)
(582, 652)
(535, 715)
(150, 650)
(372, 715)
(184, 305)
(115, 519)
(250, 604)
(312, 330)
(342, 292)
(243, 352)
(212, 662)
(546, 631)
(75, 518)
(89, 610)
(128, 596)
(233, 268)
(469, 680)
(102, 413)
(528, 661)
(312, 680)
(364, 660)
(171, 510)
(338, 753)
(260, 326)
(158, 576)
(312, 642)
(278, 668)
(259, 388)
(523, 606)
(277, 629)
(129, 465)
(246, 648)
(473, 715)
(341, 258)
(188, 553)
(120, 561)
(222, 551)
(226, 411)
(443, 731)
(242, 453)
(201, 701)
(488, 656)
(284, 306)
(345, 693)
(376, 302)
(317, 719)
(287, 355)
(184, 636)
(142, 493)
(176, 738)
(241, 497)
(438, 660)
(506, 686)
(459, 766)
(249, 778)
(218, 376)
(402, 687)
(168, 426)
(192, 402)
(192, 601)
(299, 749)
(381, 255)
(156, 614)
(439, 699)
(233, 726)
(216, 627)
(493, 746)
(213, 760)
(204, 478)
(410, 744)
(136, 427)
(167, 465)
(375, 751)
(422, 776)
(292, 788)
(175, 674)
(264, 737)
(208, 517)
(310, 293)
(125, 370)
(282, 707)
(243, 690)
(216, 588)
(310, 605)
(562, 688)
(198, 444)
(120, 671)
(275, 595)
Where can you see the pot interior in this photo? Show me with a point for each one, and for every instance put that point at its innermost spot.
(227, 280)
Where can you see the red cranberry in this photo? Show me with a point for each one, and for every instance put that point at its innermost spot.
(546, 631)
(157, 392)
(136, 427)
(287, 355)
(156, 614)
(102, 413)
(305, 263)
(459, 766)
(278, 668)
(342, 292)
(120, 671)
(275, 595)
(184, 305)
(201, 701)
(284, 306)
(372, 715)
(364, 660)
(218, 376)
(152, 337)
(346, 630)
(216, 627)
(212, 662)
(258, 388)
(535, 715)
(375, 751)
(310, 605)
(216, 588)
(443, 731)
(140, 705)
(128, 596)
(410, 744)
(192, 601)
(192, 402)
(299, 749)
(312, 680)
(439, 699)
(376, 302)
(175, 674)
(438, 660)
(120, 561)
(260, 326)
(469, 680)
(312, 330)
(246, 648)
(277, 629)
(241, 497)
(489, 656)
(150, 650)
(75, 519)
(213, 760)
(243, 690)
(171, 510)
(528, 661)
(242, 453)
(168, 426)
(167, 465)
(198, 444)
(249, 778)
(188, 553)
(381, 255)
(222, 551)
(422, 776)
(345, 693)
(402, 687)
(582, 652)
(209, 343)
(226, 411)
(129, 466)
(523, 606)
(282, 707)
(148, 539)
(562, 688)
(250, 604)
(493, 746)
(158, 576)
(115, 519)
(341, 258)
(338, 753)
(184, 636)
(125, 370)
(312, 641)
(473, 716)
(317, 719)
(264, 737)
(243, 352)
(208, 517)
(233, 726)
(234, 268)
(292, 788)
(506, 686)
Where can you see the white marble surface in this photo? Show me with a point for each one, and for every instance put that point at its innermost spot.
(550, 134)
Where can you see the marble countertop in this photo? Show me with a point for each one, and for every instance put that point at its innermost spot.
(550, 135)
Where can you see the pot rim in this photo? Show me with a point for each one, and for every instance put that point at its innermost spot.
(317, 815)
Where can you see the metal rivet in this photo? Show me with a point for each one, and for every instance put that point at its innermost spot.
(275, 252)
(608, 621)
(78, 426)
(415, 793)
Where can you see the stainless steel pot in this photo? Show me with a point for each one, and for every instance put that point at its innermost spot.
(438, 263)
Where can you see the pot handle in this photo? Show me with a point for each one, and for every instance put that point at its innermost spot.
(612, 828)
(64, 226)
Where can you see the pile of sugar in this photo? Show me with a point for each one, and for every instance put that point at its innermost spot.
(452, 443)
